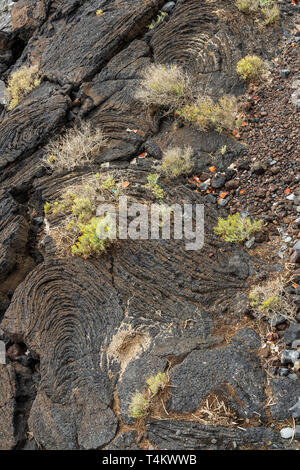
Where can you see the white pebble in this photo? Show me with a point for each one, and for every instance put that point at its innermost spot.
(286, 433)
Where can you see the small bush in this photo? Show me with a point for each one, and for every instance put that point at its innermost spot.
(20, 83)
(139, 406)
(222, 116)
(267, 7)
(247, 6)
(236, 229)
(251, 68)
(74, 148)
(164, 86)
(79, 230)
(89, 243)
(157, 382)
(269, 300)
(154, 187)
(272, 15)
(176, 161)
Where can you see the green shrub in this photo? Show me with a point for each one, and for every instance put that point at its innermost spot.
(20, 83)
(139, 406)
(222, 116)
(157, 382)
(236, 228)
(89, 243)
(164, 86)
(156, 190)
(176, 161)
(79, 229)
(251, 68)
(140, 402)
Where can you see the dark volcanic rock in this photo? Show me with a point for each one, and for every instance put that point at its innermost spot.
(286, 393)
(180, 435)
(231, 369)
(73, 52)
(30, 125)
(126, 441)
(75, 394)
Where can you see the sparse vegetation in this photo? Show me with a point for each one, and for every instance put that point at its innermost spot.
(74, 148)
(272, 15)
(222, 116)
(79, 230)
(164, 86)
(139, 406)
(269, 300)
(176, 161)
(140, 403)
(215, 411)
(267, 7)
(20, 83)
(89, 243)
(160, 17)
(236, 229)
(154, 187)
(247, 6)
(223, 150)
(157, 382)
(251, 68)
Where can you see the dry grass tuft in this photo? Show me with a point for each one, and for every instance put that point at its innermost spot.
(164, 86)
(177, 161)
(214, 411)
(269, 300)
(74, 148)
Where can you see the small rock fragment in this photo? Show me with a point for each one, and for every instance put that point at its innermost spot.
(289, 356)
(284, 73)
(287, 433)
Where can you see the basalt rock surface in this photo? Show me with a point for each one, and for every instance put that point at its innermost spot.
(95, 330)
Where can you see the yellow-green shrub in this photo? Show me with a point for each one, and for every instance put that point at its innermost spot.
(251, 68)
(272, 15)
(267, 7)
(157, 382)
(154, 187)
(236, 229)
(222, 116)
(20, 83)
(247, 6)
(139, 406)
(89, 243)
(79, 230)
(140, 403)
